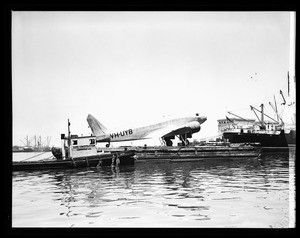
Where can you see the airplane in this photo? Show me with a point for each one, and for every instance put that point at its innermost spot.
(183, 128)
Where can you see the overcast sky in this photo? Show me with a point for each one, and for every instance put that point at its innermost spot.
(130, 68)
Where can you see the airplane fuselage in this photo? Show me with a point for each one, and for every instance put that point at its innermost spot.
(144, 132)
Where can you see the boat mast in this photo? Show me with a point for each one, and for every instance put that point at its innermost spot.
(276, 111)
(28, 142)
(69, 138)
(278, 117)
(69, 132)
(262, 115)
(284, 102)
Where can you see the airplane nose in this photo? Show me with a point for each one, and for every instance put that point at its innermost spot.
(202, 119)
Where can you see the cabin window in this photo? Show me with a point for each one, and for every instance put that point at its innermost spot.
(74, 142)
(92, 141)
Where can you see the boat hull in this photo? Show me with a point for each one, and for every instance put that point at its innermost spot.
(264, 140)
(291, 138)
(89, 161)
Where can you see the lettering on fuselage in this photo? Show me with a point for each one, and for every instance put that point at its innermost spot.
(121, 133)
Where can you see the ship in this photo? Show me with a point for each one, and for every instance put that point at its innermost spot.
(258, 133)
(34, 144)
(274, 132)
(277, 131)
(250, 132)
(260, 137)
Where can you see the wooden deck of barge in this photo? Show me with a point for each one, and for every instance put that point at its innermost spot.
(194, 153)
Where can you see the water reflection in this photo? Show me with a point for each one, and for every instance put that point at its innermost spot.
(214, 193)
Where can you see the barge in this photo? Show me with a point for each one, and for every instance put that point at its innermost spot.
(192, 153)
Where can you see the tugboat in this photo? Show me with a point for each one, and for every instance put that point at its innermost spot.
(77, 152)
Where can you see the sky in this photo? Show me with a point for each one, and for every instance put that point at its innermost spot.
(133, 68)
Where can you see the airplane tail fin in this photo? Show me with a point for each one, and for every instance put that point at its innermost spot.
(97, 128)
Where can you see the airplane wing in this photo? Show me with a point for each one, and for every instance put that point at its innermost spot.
(179, 131)
(161, 132)
(169, 131)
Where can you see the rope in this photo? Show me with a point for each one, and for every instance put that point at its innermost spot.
(179, 149)
(35, 156)
(49, 157)
(176, 155)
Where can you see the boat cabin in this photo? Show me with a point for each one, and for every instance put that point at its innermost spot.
(246, 126)
(234, 124)
(82, 146)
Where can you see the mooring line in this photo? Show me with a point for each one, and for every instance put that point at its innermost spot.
(52, 157)
(35, 156)
(176, 155)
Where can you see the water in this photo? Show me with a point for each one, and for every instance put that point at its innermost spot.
(238, 193)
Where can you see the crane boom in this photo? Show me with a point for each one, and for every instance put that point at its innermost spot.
(237, 116)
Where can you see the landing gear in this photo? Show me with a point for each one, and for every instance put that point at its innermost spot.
(185, 142)
(184, 139)
(169, 142)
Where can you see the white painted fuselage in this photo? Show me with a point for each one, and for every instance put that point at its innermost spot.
(169, 128)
